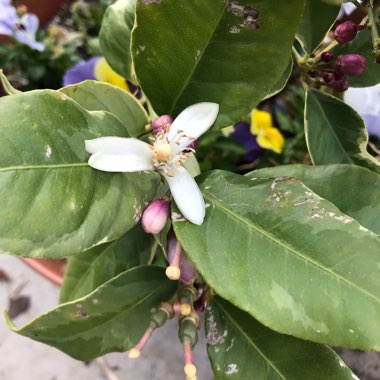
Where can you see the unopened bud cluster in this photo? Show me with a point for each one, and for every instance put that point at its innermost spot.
(333, 71)
(182, 306)
(335, 75)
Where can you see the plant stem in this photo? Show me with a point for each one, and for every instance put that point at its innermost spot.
(372, 16)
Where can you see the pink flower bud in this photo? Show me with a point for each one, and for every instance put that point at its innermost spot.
(327, 56)
(340, 85)
(188, 272)
(162, 123)
(345, 32)
(351, 64)
(328, 77)
(155, 216)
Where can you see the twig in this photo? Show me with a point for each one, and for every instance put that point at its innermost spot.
(106, 369)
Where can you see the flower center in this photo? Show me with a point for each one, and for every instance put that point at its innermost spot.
(164, 152)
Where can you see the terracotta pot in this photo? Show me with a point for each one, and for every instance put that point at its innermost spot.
(45, 10)
(51, 269)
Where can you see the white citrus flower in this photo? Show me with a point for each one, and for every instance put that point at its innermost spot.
(169, 149)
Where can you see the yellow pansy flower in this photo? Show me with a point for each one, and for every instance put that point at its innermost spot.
(268, 137)
(104, 73)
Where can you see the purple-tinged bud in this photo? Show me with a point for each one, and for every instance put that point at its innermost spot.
(328, 77)
(162, 123)
(351, 64)
(188, 272)
(193, 145)
(345, 32)
(177, 259)
(155, 216)
(340, 85)
(327, 56)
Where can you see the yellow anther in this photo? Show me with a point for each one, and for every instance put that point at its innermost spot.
(134, 353)
(185, 309)
(190, 370)
(164, 151)
(173, 273)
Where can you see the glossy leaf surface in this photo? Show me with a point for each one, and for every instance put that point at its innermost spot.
(115, 36)
(53, 204)
(241, 348)
(92, 268)
(112, 318)
(335, 133)
(317, 19)
(339, 185)
(98, 96)
(289, 258)
(224, 61)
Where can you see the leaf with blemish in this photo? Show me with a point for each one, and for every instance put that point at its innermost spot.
(53, 204)
(239, 347)
(289, 258)
(112, 318)
(186, 52)
(339, 185)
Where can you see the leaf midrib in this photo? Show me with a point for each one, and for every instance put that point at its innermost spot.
(53, 166)
(285, 246)
(100, 325)
(243, 333)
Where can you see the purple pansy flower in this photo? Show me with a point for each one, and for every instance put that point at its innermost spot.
(81, 71)
(23, 28)
(242, 133)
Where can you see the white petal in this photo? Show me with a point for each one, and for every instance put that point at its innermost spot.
(193, 121)
(187, 195)
(364, 100)
(118, 145)
(108, 162)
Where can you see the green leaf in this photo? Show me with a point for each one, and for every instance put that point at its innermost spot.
(239, 347)
(7, 86)
(115, 36)
(339, 184)
(53, 204)
(87, 271)
(335, 133)
(226, 61)
(279, 86)
(289, 258)
(112, 318)
(362, 44)
(318, 18)
(98, 96)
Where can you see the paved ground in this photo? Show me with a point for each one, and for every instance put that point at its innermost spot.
(24, 359)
